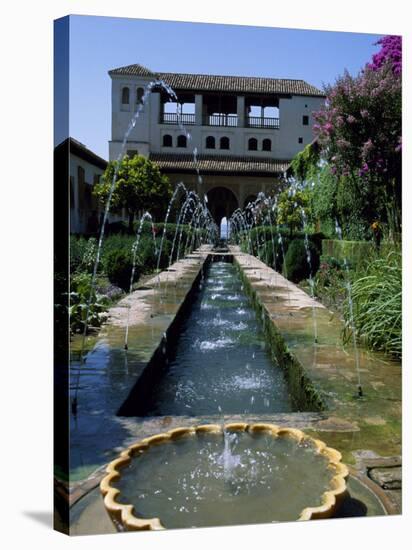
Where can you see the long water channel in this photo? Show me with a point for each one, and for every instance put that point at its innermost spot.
(219, 364)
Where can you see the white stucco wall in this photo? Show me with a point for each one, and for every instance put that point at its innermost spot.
(147, 135)
(79, 218)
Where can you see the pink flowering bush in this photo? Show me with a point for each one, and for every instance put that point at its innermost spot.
(359, 131)
(390, 52)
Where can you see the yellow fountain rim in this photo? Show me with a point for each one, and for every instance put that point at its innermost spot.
(124, 513)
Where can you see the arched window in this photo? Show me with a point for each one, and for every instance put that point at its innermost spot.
(224, 143)
(125, 95)
(266, 145)
(210, 142)
(139, 95)
(252, 144)
(181, 141)
(167, 141)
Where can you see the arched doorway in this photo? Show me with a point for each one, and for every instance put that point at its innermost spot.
(221, 202)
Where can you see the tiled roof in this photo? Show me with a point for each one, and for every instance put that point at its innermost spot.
(219, 163)
(77, 148)
(217, 83)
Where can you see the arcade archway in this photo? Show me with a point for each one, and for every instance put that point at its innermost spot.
(222, 202)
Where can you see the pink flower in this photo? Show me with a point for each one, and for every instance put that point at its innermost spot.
(367, 148)
(364, 170)
(351, 119)
(343, 144)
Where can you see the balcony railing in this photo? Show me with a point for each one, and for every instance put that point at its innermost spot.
(220, 120)
(173, 118)
(262, 122)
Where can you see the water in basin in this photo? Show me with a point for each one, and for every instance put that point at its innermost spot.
(216, 479)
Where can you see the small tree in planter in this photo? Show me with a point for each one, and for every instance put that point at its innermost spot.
(139, 186)
(290, 206)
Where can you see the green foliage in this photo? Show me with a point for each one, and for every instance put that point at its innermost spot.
(305, 162)
(329, 282)
(359, 129)
(82, 254)
(139, 186)
(119, 264)
(296, 265)
(148, 252)
(290, 208)
(80, 286)
(83, 251)
(348, 198)
(269, 243)
(377, 305)
(116, 263)
(357, 253)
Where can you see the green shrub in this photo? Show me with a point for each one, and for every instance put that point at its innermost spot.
(80, 286)
(261, 238)
(147, 253)
(330, 281)
(166, 251)
(83, 250)
(82, 253)
(119, 227)
(119, 266)
(296, 265)
(377, 305)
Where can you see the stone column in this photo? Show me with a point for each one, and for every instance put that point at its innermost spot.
(241, 111)
(199, 109)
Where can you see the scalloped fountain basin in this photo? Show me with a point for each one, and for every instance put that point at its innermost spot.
(207, 476)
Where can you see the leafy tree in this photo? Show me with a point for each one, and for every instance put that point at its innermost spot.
(139, 186)
(293, 205)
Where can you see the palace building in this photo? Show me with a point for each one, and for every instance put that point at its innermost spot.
(245, 130)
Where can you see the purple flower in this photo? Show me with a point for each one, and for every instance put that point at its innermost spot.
(367, 148)
(351, 119)
(364, 170)
(390, 53)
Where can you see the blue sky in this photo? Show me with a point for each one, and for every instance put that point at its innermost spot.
(98, 44)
